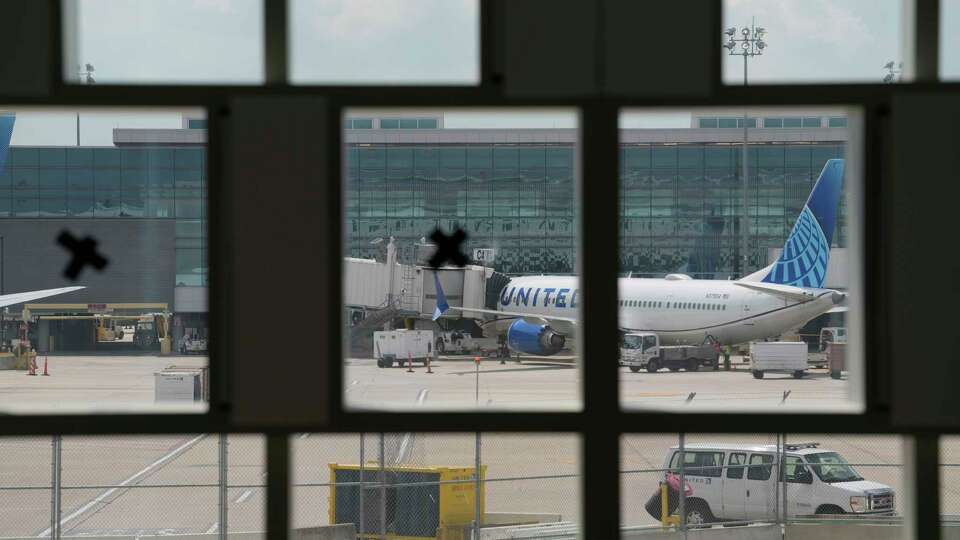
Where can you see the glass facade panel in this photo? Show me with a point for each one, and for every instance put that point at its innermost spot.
(707, 123)
(773, 122)
(838, 122)
(389, 123)
(727, 123)
(811, 121)
(792, 122)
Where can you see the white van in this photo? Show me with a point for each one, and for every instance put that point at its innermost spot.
(734, 482)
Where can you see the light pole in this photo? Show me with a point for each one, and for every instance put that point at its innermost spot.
(86, 77)
(750, 44)
(894, 72)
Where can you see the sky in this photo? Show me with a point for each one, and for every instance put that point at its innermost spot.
(432, 41)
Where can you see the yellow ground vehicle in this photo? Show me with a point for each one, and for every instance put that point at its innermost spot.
(108, 329)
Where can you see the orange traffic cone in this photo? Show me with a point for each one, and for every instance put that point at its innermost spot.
(409, 362)
(45, 372)
(31, 366)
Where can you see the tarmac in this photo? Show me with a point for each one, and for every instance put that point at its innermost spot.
(168, 484)
(554, 383)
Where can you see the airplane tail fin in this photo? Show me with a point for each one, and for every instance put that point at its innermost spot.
(442, 305)
(806, 253)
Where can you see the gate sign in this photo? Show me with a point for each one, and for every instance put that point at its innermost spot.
(97, 308)
(484, 255)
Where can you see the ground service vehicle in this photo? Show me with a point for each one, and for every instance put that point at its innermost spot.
(778, 357)
(401, 346)
(828, 335)
(739, 482)
(108, 329)
(642, 350)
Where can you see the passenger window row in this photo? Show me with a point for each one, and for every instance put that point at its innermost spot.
(673, 305)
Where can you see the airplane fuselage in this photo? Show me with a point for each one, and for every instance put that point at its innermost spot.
(679, 311)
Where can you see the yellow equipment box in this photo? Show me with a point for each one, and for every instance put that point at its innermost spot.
(420, 502)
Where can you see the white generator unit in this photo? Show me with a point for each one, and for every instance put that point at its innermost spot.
(778, 357)
(181, 384)
(402, 346)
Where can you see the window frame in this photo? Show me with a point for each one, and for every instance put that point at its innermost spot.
(597, 255)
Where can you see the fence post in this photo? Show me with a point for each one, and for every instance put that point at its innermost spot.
(476, 491)
(383, 492)
(222, 485)
(783, 479)
(362, 489)
(55, 484)
(776, 483)
(683, 487)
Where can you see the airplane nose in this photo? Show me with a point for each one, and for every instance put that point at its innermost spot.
(838, 297)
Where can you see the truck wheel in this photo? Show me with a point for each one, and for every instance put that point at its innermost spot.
(699, 514)
(693, 364)
(829, 509)
(441, 347)
(653, 365)
(798, 374)
(634, 368)
(757, 374)
(379, 362)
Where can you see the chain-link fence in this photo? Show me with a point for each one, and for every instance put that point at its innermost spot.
(425, 485)
(757, 478)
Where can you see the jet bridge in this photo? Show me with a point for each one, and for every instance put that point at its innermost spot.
(410, 290)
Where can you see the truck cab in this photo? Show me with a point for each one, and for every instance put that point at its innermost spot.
(637, 349)
(739, 482)
(832, 334)
(642, 350)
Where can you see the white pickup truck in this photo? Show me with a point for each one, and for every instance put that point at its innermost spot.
(642, 350)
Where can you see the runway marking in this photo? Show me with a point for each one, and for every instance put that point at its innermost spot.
(243, 496)
(213, 528)
(137, 476)
(405, 445)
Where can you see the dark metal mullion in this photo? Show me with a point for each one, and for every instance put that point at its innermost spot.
(599, 256)
(278, 486)
(924, 465)
(334, 176)
(926, 40)
(56, 45)
(275, 42)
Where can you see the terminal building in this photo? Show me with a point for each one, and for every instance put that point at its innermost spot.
(513, 190)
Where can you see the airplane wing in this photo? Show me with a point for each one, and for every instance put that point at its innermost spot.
(785, 291)
(529, 317)
(19, 298)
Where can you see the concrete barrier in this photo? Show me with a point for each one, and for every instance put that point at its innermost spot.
(493, 519)
(344, 531)
(748, 532)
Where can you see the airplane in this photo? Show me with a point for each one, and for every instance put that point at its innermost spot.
(540, 312)
(21, 297)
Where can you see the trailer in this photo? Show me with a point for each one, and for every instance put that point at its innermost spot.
(778, 357)
(642, 350)
(401, 346)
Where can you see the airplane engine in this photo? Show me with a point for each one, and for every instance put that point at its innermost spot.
(535, 339)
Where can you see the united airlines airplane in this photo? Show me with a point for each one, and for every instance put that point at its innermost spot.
(539, 312)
